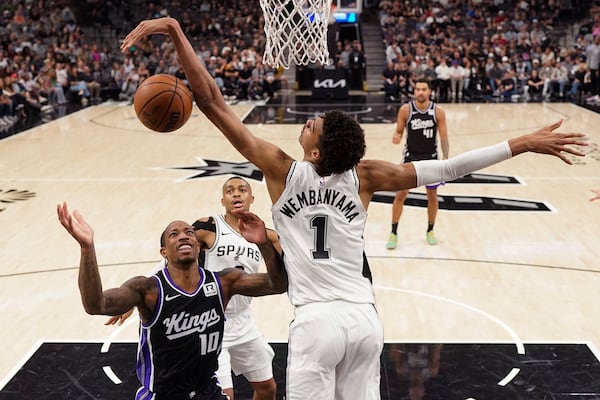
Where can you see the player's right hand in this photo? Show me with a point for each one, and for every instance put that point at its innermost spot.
(119, 319)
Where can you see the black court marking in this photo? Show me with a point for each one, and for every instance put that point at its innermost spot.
(470, 203)
(446, 202)
(486, 179)
(465, 203)
(441, 372)
(9, 196)
(365, 109)
(216, 168)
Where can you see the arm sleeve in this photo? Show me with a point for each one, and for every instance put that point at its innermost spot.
(433, 171)
(205, 225)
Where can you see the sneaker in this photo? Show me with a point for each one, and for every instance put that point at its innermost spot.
(431, 238)
(392, 241)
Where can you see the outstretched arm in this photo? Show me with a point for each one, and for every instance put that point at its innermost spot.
(380, 175)
(95, 300)
(270, 159)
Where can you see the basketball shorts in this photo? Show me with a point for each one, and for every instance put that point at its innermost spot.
(334, 352)
(211, 391)
(252, 359)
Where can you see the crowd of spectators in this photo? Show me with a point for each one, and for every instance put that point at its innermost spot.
(229, 39)
(497, 50)
(471, 50)
(47, 62)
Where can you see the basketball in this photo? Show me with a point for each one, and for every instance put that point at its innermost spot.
(163, 103)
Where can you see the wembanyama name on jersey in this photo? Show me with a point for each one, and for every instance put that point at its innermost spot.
(313, 197)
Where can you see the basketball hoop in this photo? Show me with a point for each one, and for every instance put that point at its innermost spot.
(296, 32)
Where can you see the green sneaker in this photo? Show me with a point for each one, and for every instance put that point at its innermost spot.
(431, 238)
(392, 241)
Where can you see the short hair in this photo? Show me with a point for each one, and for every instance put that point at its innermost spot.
(342, 143)
(236, 177)
(425, 81)
(162, 237)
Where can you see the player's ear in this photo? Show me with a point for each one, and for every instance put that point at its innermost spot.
(315, 154)
(163, 252)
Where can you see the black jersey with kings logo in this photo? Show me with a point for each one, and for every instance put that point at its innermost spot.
(179, 347)
(421, 133)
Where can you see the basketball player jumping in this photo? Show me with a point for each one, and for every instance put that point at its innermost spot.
(319, 210)
(181, 306)
(423, 120)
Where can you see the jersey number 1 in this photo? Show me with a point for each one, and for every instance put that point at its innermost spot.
(319, 225)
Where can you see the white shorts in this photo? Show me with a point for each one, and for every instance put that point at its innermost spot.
(334, 352)
(253, 359)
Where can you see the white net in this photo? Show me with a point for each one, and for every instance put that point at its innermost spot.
(296, 32)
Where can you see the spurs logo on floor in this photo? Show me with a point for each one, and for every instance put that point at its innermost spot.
(12, 195)
(447, 202)
(216, 167)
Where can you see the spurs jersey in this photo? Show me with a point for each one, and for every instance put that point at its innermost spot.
(230, 249)
(421, 133)
(178, 348)
(320, 221)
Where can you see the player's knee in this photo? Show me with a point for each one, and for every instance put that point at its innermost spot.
(401, 195)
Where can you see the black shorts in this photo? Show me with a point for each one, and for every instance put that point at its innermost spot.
(211, 391)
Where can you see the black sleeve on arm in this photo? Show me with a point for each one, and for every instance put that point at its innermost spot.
(205, 225)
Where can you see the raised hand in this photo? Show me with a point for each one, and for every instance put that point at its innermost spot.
(251, 227)
(75, 225)
(146, 28)
(546, 141)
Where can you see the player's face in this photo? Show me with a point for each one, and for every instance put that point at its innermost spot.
(181, 245)
(311, 132)
(422, 92)
(237, 194)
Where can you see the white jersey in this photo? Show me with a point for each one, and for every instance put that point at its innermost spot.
(320, 221)
(230, 249)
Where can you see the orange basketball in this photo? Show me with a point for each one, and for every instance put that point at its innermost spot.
(163, 103)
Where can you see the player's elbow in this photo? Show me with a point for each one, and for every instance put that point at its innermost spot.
(279, 284)
(280, 287)
(92, 306)
(92, 309)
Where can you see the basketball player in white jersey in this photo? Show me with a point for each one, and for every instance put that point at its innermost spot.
(424, 121)
(245, 350)
(319, 211)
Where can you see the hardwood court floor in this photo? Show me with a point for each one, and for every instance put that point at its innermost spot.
(508, 277)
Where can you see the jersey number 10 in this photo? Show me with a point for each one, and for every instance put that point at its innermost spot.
(209, 343)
